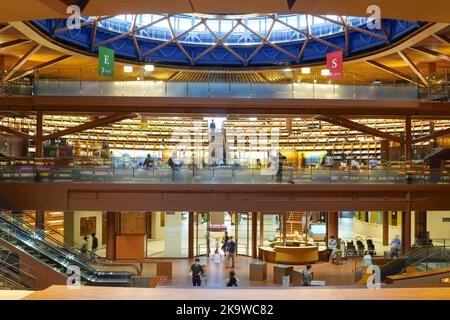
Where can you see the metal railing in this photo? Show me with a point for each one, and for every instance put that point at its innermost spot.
(71, 247)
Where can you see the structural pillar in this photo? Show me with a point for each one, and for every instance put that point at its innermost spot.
(191, 235)
(385, 228)
(406, 226)
(284, 226)
(333, 225)
(38, 141)
(254, 234)
(111, 232)
(408, 139)
(40, 219)
(420, 226)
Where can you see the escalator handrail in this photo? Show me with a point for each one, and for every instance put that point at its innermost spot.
(74, 244)
(72, 250)
(58, 250)
(91, 277)
(45, 243)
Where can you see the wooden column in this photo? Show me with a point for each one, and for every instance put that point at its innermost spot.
(261, 228)
(38, 142)
(40, 219)
(333, 225)
(420, 225)
(406, 227)
(385, 220)
(191, 235)
(408, 139)
(254, 234)
(284, 226)
(111, 232)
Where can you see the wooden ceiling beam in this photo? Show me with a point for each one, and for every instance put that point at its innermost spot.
(393, 72)
(15, 132)
(442, 38)
(13, 43)
(346, 123)
(16, 67)
(40, 67)
(431, 136)
(413, 67)
(89, 125)
(431, 53)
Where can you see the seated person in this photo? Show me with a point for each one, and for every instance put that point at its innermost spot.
(335, 255)
(307, 276)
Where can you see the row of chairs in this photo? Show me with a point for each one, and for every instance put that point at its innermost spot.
(360, 249)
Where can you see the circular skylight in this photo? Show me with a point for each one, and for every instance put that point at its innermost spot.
(232, 29)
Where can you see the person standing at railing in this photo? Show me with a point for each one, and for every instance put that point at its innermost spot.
(281, 161)
(395, 247)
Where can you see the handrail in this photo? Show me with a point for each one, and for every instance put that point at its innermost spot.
(86, 263)
(72, 250)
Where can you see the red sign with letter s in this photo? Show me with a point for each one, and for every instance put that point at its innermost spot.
(335, 64)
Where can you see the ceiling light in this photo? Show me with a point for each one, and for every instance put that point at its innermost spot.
(287, 70)
(128, 69)
(306, 70)
(149, 68)
(325, 72)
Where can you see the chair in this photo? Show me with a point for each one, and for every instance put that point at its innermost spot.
(370, 247)
(350, 249)
(361, 247)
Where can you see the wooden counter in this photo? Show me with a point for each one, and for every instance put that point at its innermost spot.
(289, 255)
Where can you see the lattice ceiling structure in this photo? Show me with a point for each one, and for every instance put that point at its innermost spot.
(228, 40)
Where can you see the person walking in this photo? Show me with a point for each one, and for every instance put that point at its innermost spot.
(196, 272)
(231, 249)
(224, 243)
(94, 246)
(232, 281)
(395, 247)
(332, 243)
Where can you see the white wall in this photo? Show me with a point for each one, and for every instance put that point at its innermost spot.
(76, 226)
(157, 231)
(435, 225)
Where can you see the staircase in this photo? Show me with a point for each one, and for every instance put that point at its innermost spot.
(294, 222)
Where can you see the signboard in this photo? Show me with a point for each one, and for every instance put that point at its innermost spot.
(335, 64)
(105, 62)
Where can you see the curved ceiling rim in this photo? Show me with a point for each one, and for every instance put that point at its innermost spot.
(33, 33)
(412, 10)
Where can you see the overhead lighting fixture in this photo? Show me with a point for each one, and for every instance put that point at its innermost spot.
(325, 72)
(306, 70)
(149, 68)
(287, 70)
(128, 69)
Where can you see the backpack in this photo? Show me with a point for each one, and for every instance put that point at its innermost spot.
(231, 246)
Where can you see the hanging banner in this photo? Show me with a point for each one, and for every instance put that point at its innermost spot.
(105, 62)
(335, 64)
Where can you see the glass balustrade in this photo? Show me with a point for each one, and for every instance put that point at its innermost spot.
(223, 175)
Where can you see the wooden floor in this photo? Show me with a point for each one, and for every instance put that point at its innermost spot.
(302, 293)
(217, 273)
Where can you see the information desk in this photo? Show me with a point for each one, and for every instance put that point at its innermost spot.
(290, 255)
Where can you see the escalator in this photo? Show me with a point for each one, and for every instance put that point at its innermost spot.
(36, 243)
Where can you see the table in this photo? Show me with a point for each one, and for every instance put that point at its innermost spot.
(280, 271)
(258, 271)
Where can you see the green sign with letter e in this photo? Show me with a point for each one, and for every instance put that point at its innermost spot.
(105, 62)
